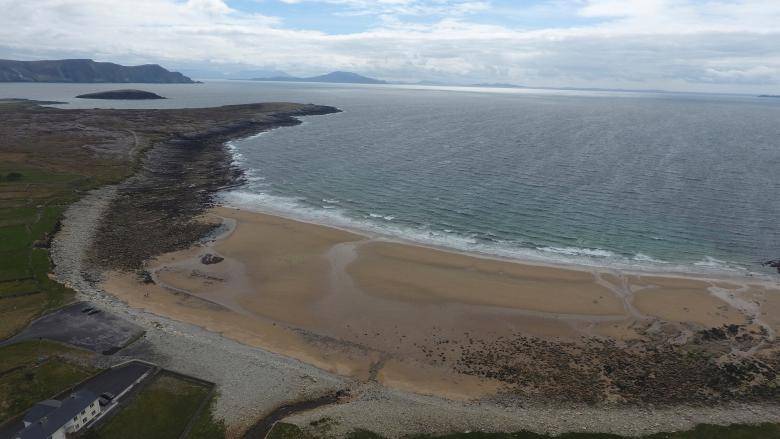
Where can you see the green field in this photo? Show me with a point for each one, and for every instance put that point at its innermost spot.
(35, 370)
(320, 430)
(162, 410)
(42, 171)
(30, 207)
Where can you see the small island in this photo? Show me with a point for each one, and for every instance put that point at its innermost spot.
(769, 96)
(127, 94)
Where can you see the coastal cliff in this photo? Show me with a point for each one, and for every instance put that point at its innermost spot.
(86, 71)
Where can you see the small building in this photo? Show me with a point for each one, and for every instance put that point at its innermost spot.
(52, 419)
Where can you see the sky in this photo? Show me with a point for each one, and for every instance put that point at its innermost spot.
(681, 45)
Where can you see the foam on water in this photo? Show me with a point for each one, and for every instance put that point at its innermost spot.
(297, 208)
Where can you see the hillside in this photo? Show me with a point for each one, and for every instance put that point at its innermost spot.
(87, 71)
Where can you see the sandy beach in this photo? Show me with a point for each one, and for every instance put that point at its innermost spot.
(420, 319)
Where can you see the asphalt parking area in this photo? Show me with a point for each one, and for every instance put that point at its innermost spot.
(84, 325)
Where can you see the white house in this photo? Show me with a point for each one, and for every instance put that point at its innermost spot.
(52, 419)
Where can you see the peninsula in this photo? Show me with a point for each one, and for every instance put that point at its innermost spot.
(86, 71)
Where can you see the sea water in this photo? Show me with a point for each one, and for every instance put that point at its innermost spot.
(658, 181)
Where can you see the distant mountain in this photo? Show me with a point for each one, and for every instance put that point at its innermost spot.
(498, 85)
(769, 96)
(427, 82)
(86, 70)
(241, 74)
(249, 74)
(333, 77)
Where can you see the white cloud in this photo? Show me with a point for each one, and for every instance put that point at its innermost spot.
(680, 44)
(404, 7)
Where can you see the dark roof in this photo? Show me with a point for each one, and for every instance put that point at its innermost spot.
(46, 425)
(41, 409)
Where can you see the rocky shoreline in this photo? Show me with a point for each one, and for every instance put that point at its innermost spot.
(156, 210)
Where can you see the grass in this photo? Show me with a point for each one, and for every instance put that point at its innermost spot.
(32, 351)
(21, 388)
(18, 286)
(287, 431)
(160, 411)
(703, 431)
(17, 312)
(206, 426)
(34, 370)
(30, 207)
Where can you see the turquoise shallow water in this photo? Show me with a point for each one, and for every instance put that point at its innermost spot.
(656, 181)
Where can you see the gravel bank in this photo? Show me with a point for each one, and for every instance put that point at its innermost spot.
(394, 414)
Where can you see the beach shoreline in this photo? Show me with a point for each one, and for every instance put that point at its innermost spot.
(253, 381)
(682, 271)
(335, 299)
(536, 256)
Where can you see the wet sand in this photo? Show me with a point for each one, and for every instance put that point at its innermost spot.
(406, 316)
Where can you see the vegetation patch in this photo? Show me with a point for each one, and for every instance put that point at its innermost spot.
(161, 410)
(32, 200)
(21, 388)
(36, 351)
(207, 426)
(17, 287)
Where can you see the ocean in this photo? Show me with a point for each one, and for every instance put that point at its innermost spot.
(645, 181)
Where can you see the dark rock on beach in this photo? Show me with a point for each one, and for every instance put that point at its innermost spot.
(775, 263)
(209, 259)
(127, 94)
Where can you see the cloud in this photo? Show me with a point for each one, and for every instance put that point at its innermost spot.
(678, 44)
(403, 7)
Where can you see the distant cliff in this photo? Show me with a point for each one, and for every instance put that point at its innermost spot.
(333, 77)
(86, 70)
